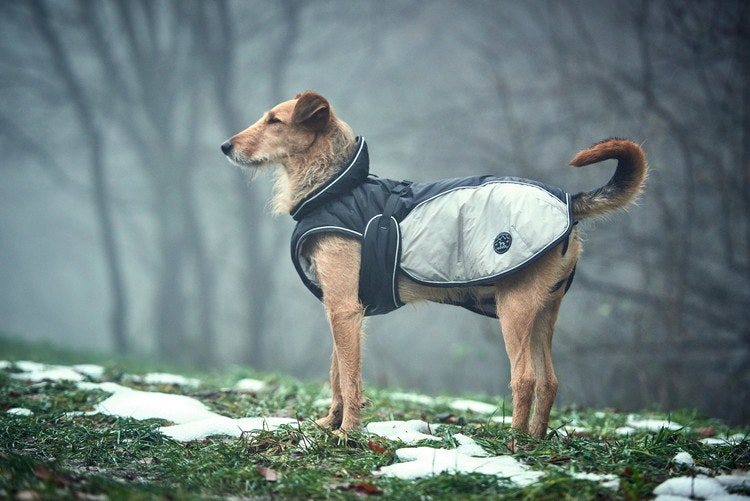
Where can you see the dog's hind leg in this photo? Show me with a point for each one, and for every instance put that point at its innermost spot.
(541, 360)
(337, 266)
(516, 307)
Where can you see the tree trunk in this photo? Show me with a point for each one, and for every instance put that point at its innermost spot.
(101, 195)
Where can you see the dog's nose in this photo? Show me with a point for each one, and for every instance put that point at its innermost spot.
(226, 147)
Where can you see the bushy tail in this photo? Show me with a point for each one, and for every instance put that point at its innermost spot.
(624, 186)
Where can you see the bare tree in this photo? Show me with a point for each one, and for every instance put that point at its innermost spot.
(258, 282)
(60, 59)
(143, 55)
(687, 304)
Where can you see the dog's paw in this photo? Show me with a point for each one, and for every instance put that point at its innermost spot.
(512, 445)
(351, 425)
(330, 421)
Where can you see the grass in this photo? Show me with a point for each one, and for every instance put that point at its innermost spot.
(57, 453)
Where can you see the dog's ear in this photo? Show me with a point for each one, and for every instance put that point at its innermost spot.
(311, 111)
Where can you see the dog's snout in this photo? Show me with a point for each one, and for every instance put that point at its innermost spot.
(226, 147)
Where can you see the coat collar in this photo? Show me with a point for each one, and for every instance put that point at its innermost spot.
(351, 174)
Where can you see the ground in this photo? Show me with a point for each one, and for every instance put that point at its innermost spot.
(102, 432)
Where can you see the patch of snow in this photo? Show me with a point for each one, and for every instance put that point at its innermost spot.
(221, 425)
(20, 411)
(636, 423)
(34, 371)
(51, 374)
(683, 458)
(609, 481)
(127, 402)
(251, 385)
(700, 487)
(571, 429)
(5, 364)
(165, 378)
(736, 481)
(502, 419)
(408, 432)
(729, 440)
(462, 405)
(193, 420)
(468, 457)
(467, 446)
(91, 370)
(412, 397)
(418, 462)
(29, 366)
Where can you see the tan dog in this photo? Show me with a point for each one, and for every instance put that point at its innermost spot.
(310, 144)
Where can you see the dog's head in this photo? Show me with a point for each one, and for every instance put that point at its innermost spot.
(302, 135)
(286, 131)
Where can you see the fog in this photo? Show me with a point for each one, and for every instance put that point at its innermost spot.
(124, 230)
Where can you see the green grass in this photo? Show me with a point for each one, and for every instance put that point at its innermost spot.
(58, 453)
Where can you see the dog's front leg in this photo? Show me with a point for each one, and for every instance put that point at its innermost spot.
(337, 261)
(336, 412)
(346, 325)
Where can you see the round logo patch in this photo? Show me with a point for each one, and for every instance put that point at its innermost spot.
(502, 242)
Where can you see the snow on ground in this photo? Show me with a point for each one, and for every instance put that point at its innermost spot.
(251, 385)
(417, 462)
(636, 423)
(40, 372)
(468, 457)
(20, 411)
(460, 405)
(221, 425)
(163, 378)
(129, 403)
(702, 487)
(729, 440)
(409, 432)
(193, 420)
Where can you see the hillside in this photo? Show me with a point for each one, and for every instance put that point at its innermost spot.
(89, 431)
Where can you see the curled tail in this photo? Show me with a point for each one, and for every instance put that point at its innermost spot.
(625, 184)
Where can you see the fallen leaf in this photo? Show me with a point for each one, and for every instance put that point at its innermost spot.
(361, 489)
(365, 488)
(377, 448)
(706, 431)
(44, 474)
(269, 474)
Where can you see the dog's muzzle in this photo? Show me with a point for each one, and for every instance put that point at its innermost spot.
(226, 147)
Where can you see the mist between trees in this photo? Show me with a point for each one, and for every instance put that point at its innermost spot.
(123, 228)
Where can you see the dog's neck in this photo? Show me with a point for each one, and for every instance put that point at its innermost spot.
(301, 175)
(336, 182)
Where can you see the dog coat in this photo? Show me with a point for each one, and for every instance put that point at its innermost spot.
(451, 233)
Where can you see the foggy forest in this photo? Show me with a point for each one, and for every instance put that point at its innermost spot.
(123, 228)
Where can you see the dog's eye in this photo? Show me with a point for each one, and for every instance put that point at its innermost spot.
(273, 120)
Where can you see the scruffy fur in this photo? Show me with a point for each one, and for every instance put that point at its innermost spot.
(309, 143)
